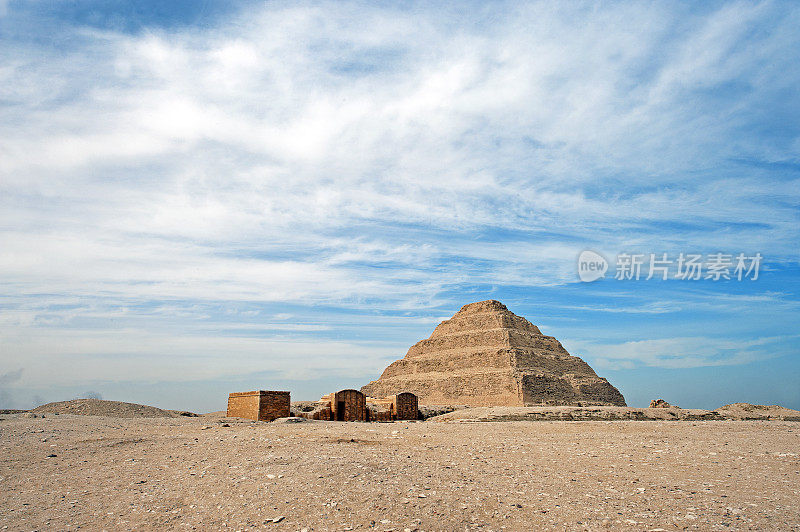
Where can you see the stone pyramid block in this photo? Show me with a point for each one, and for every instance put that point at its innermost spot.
(485, 355)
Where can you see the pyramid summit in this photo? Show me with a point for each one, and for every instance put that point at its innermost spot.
(485, 355)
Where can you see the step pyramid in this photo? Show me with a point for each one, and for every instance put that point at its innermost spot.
(485, 355)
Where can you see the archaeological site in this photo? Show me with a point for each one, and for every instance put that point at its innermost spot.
(485, 355)
(344, 405)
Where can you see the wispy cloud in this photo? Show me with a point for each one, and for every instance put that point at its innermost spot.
(686, 352)
(360, 156)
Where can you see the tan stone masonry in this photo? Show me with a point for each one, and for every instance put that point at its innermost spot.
(259, 405)
(486, 355)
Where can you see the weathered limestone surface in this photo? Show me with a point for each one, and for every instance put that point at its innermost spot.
(485, 355)
(259, 405)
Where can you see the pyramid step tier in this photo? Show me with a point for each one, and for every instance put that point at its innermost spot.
(511, 358)
(484, 321)
(500, 387)
(496, 338)
(486, 355)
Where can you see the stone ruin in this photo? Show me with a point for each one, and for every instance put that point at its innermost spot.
(485, 355)
(344, 405)
(347, 405)
(660, 403)
(259, 405)
(352, 405)
(401, 406)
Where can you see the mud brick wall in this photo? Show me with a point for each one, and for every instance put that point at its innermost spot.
(349, 405)
(259, 405)
(406, 406)
(274, 405)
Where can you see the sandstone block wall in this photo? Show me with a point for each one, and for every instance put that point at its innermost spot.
(474, 387)
(259, 405)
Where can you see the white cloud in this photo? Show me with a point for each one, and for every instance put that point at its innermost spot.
(347, 154)
(122, 354)
(684, 352)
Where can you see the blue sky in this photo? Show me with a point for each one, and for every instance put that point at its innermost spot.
(203, 197)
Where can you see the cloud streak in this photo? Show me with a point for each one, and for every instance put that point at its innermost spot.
(687, 352)
(358, 156)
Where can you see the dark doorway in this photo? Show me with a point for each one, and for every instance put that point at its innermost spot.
(340, 411)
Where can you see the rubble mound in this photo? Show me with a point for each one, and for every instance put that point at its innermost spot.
(299, 407)
(747, 411)
(578, 413)
(100, 407)
(485, 355)
(660, 403)
(429, 411)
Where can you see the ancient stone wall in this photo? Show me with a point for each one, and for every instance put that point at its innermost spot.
(406, 406)
(475, 387)
(402, 406)
(244, 405)
(259, 405)
(322, 414)
(349, 405)
(379, 415)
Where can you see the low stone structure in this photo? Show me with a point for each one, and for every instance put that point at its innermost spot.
(346, 405)
(259, 405)
(323, 412)
(406, 406)
(352, 405)
(401, 406)
(378, 413)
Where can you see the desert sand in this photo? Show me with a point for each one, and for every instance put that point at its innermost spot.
(70, 472)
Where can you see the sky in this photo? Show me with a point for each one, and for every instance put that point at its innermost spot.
(201, 197)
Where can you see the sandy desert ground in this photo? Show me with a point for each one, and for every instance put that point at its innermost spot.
(68, 472)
